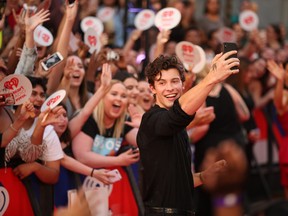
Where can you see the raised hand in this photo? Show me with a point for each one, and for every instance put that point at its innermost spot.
(106, 75)
(31, 22)
(40, 71)
(221, 67)
(135, 34)
(51, 116)
(163, 36)
(26, 111)
(128, 157)
(71, 10)
(276, 70)
(136, 113)
(19, 19)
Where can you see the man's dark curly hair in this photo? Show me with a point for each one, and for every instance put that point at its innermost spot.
(163, 63)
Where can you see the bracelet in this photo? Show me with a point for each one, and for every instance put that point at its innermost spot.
(92, 172)
(201, 178)
(14, 129)
(228, 200)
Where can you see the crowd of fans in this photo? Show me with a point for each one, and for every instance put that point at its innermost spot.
(94, 129)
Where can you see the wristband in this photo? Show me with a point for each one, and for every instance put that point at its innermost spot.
(14, 129)
(92, 172)
(228, 200)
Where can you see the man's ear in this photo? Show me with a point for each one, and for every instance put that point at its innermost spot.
(152, 89)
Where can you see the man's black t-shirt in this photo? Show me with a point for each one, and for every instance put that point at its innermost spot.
(166, 158)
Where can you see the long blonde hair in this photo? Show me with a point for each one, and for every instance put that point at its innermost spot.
(99, 113)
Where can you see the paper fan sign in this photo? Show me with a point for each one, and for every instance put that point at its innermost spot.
(248, 20)
(92, 39)
(226, 34)
(105, 13)
(144, 19)
(92, 22)
(43, 36)
(167, 18)
(92, 183)
(53, 100)
(16, 89)
(191, 55)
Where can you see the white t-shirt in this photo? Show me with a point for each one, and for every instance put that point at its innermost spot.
(53, 151)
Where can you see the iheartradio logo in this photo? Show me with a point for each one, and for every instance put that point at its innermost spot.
(53, 100)
(10, 83)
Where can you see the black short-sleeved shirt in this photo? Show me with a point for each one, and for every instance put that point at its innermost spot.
(106, 144)
(166, 158)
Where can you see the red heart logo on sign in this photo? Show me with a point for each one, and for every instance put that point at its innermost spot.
(248, 20)
(53, 100)
(13, 82)
(168, 13)
(147, 15)
(227, 35)
(46, 38)
(187, 48)
(92, 40)
(89, 22)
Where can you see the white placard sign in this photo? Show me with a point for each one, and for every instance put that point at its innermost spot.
(53, 100)
(191, 55)
(167, 18)
(144, 19)
(105, 13)
(226, 34)
(92, 22)
(16, 88)
(91, 38)
(248, 20)
(43, 36)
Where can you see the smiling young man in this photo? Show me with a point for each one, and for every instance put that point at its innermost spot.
(168, 182)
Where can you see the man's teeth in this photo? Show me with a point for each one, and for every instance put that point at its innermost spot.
(170, 95)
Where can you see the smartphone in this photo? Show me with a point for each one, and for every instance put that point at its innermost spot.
(53, 60)
(71, 2)
(116, 175)
(228, 46)
(2, 8)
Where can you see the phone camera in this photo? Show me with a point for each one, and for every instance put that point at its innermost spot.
(112, 56)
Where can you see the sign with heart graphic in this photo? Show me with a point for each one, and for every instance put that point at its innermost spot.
(92, 183)
(53, 100)
(4, 199)
(92, 22)
(91, 38)
(191, 55)
(144, 19)
(226, 34)
(167, 18)
(105, 13)
(16, 89)
(43, 36)
(248, 20)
